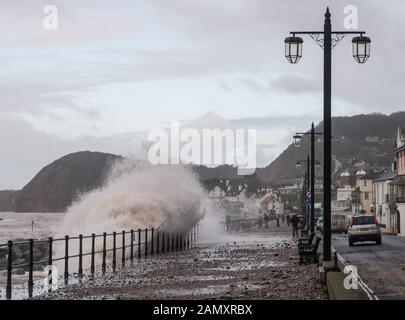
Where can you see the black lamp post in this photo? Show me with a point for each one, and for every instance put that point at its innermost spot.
(311, 170)
(309, 185)
(305, 187)
(327, 39)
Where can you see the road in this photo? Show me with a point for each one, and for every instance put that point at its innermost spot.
(381, 267)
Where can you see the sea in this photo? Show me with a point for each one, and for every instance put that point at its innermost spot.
(25, 225)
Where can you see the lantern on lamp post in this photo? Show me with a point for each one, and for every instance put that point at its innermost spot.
(297, 140)
(361, 48)
(293, 48)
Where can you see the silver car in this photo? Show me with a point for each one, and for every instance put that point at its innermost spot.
(364, 227)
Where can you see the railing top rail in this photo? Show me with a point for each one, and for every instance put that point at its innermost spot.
(27, 241)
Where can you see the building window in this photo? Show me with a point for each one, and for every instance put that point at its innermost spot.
(366, 195)
(365, 183)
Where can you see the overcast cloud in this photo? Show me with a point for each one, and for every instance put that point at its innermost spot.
(115, 69)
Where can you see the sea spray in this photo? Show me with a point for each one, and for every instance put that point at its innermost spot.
(135, 196)
(143, 197)
(212, 227)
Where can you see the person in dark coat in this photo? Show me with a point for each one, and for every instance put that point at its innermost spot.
(288, 219)
(294, 222)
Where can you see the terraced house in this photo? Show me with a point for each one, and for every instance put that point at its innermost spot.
(397, 190)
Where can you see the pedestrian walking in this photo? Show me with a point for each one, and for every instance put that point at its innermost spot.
(266, 220)
(294, 222)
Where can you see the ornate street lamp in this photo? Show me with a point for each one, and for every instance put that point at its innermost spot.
(293, 48)
(311, 170)
(361, 48)
(327, 40)
(297, 140)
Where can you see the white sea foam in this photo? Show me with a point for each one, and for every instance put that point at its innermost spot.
(139, 196)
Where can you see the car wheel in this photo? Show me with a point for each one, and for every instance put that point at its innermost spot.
(351, 242)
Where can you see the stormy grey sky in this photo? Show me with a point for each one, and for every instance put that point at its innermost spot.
(115, 69)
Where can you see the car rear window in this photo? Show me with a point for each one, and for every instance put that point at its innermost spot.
(363, 220)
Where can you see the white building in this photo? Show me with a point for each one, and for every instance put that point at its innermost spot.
(381, 201)
(398, 185)
(289, 189)
(237, 198)
(345, 194)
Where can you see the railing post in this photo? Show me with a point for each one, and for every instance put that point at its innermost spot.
(103, 263)
(139, 243)
(31, 269)
(80, 271)
(66, 274)
(335, 259)
(146, 242)
(188, 240)
(172, 242)
(114, 262)
(123, 248)
(177, 242)
(9, 269)
(157, 241)
(50, 261)
(163, 242)
(132, 246)
(181, 241)
(168, 242)
(93, 249)
(152, 241)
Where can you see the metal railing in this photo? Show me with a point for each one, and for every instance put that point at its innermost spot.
(234, 225)
(400, 199)
(142, 242)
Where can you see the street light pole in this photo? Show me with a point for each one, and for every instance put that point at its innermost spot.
(304, 192)
(312, 178)
(309, 174)
(327, 131)
(311, 162)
